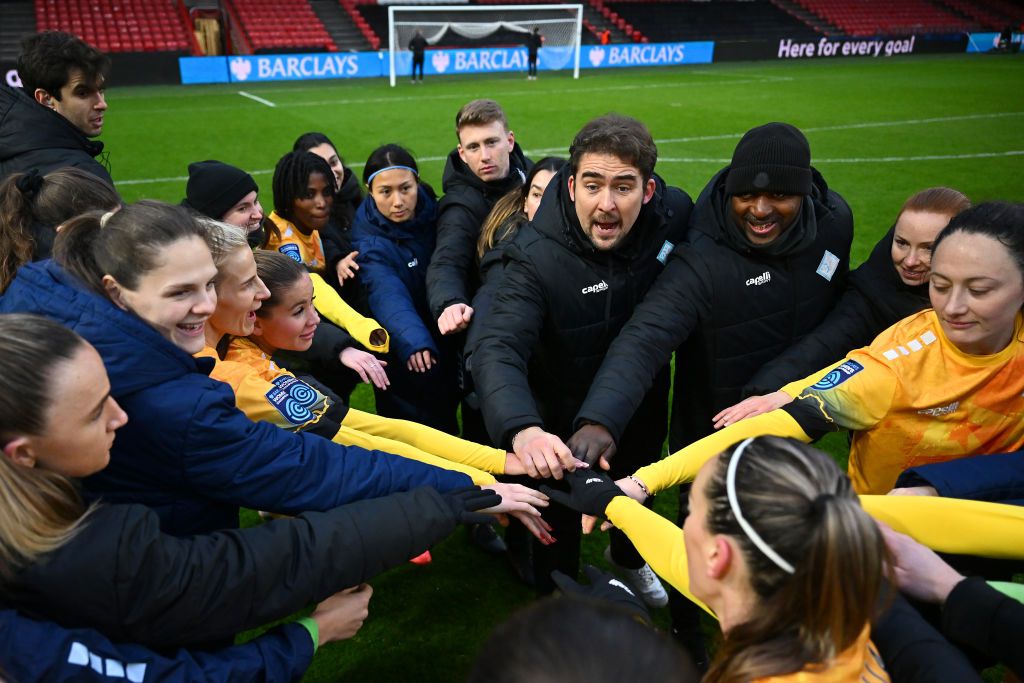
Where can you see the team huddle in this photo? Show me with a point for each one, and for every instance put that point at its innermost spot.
(165, 365)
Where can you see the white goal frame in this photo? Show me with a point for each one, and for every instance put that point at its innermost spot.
(393, 47)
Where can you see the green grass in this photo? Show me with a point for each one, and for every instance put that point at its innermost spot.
(875, 127)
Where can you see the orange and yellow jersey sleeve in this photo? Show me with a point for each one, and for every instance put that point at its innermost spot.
(913, 398)
(330, 305)
(280, 399)
(305, 249)
(404, 439)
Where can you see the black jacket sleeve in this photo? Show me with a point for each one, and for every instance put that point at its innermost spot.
(124, 577)
(977, 615)
(508, 334)
(673, 307)
(847, 327)
(914, 651)
(994, 478)
(453, 263)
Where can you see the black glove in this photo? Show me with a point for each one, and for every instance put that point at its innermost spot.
(591, 443)
(604, 587)
(465, 502)
(590, 492)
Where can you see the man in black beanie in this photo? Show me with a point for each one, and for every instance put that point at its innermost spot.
(765, 259)
(225, 193)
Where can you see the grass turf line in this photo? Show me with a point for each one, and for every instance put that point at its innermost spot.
(426, 623)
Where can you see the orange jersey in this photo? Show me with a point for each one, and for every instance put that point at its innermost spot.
(858, 663)
(913, 398)
(306, 249)
(272, 396)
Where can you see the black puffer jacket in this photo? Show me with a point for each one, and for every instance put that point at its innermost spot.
(728, 307)
(32, 136)
(452, 277)
(875, 299)
(560, 305)
(121, 575)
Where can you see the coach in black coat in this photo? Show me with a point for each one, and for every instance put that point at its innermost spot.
(765, 260)
(568, 288)
(35, 137)
(875, 299)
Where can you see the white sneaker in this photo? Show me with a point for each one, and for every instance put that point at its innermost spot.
(643, 580)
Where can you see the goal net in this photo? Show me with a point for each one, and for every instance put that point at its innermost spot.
(461, 27)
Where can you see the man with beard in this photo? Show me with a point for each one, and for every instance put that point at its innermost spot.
(764, 261)
(50, 123)
(573, 276)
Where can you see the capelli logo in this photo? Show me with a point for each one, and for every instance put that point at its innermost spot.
(12, 78)
(593, 289)
(761, 279)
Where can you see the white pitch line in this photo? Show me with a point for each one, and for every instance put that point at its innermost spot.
(816, 129)
(257, 99)
(858, 160)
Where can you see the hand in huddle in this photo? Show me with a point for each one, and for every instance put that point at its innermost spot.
(593, 444)
(455, 318)
(751, 407)
(366, 365)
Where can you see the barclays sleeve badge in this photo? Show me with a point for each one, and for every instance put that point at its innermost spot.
(291, 251)
(838, 375)
(828, 265)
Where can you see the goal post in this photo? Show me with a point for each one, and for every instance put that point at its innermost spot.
(487, 25)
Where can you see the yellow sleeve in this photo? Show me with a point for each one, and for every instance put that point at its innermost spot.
(347, 436)
(658, 540)
(330, 304)
(952, 525)
(797, 386)
(683, 465)
(429, 440)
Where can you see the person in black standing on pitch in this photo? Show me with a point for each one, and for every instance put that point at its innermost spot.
(533, 43)
(418, 47)
(573, 276)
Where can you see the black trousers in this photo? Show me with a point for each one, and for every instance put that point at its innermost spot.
(532, 65)
(417, 64)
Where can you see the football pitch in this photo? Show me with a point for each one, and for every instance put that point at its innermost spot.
(879, 130)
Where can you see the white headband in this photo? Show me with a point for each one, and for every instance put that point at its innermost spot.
(734, 504)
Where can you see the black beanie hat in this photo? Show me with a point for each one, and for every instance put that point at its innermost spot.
(774, 157)
(214, 187)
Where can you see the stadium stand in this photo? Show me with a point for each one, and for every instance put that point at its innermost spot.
(991, 16)
(118, 25)
(885, 17)
(280, 25)
(731, 20)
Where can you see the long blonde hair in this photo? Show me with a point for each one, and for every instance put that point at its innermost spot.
(39, 510)
(804, 509)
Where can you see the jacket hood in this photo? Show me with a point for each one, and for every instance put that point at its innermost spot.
(714, 218)
(135, 355)
(27, 126)
(457, 175)
(350, 190)
(556, 218)
(371, 221)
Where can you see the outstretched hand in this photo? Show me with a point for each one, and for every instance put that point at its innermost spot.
(593, 444)
(605, 587)
(455, 318)
(522, 502)
(543, 454)
(367, 366)
(590, 492)
(751, 407)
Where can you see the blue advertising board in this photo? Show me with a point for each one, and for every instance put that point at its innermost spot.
(985, 42)
(297, 67)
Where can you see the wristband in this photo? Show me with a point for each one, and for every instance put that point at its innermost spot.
(633, 478)
(314, 631)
